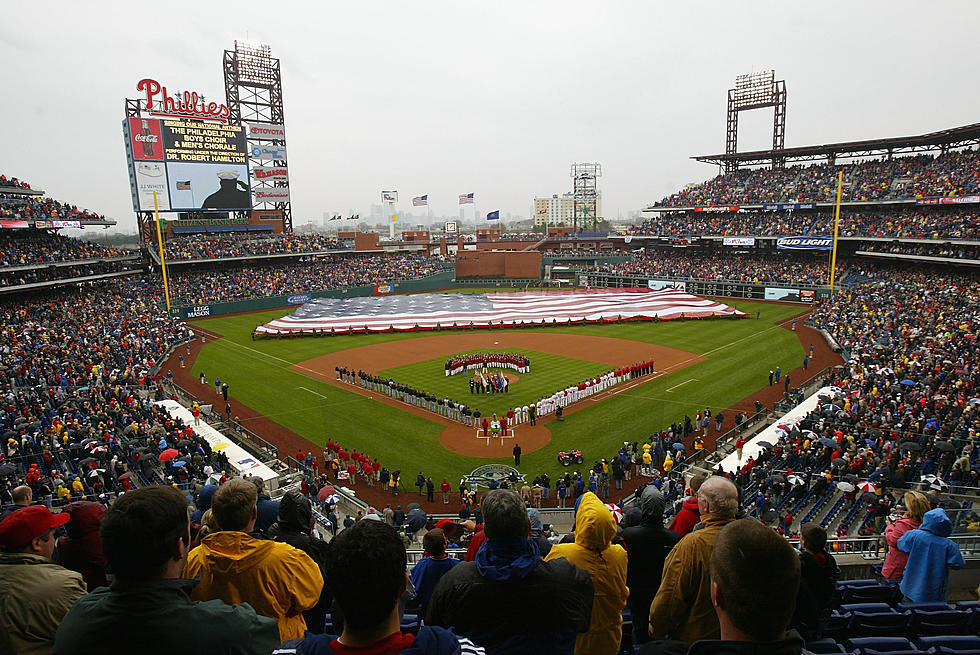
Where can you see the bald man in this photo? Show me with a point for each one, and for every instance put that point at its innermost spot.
(682, 609)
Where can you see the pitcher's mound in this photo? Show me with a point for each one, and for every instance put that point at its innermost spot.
(463, 439)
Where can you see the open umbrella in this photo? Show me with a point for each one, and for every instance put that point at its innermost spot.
(325, 490)
(7, 469)
(764, 444)
(411, 506)
(180, 463)
(99, 449)
(827, 441)
(220, 446)
(168, 454)
(95, 472)
(778, 477)
(127, 475)
(845, 486)
(810, 434)
(850, 477)
(770, 515)
(944, 446)
(911, 445)
(867, 486)
(86, 442)
(415, 519)
(795, 480)
(616, 511)
(332, 499)
(86, 461)
(678, 446)
(908, 383)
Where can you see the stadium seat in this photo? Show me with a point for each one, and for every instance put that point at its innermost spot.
(951, 644)
(968, 604)
(932, 606)
(875, 645)
(939, 622)
(870, 624)
(875, 593)
(866, 608)
(410, 623)
(825, 646)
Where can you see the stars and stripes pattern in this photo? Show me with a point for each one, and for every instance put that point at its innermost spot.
(420, 201)
(430, 310)
(466, 199)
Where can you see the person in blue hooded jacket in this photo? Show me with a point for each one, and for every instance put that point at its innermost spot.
(365, 570)
(931, 555)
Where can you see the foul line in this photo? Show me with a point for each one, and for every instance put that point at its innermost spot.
(313, 392)
(681, 384)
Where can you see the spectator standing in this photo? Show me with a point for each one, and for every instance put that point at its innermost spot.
(430, 569)
(682, 608)
(605, 562)
(145, 536)
(818, 580)
(36, 593)
(366, 574)
(690, 513)
(753, 614)
(647, 545)
(477, 598)
(931, 554)
(295, 527)
(279, 581)
(80, 549)
(916, 506)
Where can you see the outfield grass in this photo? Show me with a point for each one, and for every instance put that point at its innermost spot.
(549, 373)
(738, 355)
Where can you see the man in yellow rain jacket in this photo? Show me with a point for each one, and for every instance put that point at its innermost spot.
(594, 553)
(277, 580)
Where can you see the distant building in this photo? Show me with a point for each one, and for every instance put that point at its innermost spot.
(558, 210)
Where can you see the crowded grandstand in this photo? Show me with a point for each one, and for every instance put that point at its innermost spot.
(868, 467)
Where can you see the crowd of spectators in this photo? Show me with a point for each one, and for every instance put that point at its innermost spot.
(32, 247)
(204, 287)
(912, 222)
(949, 174)
(13, 182)
(945, 250)
(780, 269)
(34, 208)
(215, 246)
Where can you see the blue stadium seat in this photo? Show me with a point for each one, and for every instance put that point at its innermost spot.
(875, 645)
(931, 606)
(867, 608)
(871, 624)
(939, 622)
(825, 646)
(876, 593)
(951, 644)
(968, 604)
(410, 623)
(835, 626)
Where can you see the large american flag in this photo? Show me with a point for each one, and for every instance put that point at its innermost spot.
(466, 199)
(433, 310)
(420, 201)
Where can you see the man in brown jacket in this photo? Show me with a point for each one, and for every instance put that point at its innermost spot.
(35, 593)
(682, 609)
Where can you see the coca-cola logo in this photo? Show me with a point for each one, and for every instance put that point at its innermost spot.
(147, 138)
(186, 105)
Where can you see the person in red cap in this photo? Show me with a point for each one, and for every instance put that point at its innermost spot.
(37, 592)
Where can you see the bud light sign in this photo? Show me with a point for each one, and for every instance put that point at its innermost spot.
(804, 243)
(298, 300)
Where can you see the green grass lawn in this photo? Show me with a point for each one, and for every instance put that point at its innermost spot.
(549, 373)
(739, 354)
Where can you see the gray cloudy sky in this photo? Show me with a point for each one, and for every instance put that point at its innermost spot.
(495, 98)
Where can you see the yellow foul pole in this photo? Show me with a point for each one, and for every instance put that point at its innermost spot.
(833, 251)
(163, 260)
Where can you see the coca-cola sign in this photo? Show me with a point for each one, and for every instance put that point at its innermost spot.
(146, 138)
(159, 102)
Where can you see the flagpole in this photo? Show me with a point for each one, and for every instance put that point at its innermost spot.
(163, 258)
(833, 251)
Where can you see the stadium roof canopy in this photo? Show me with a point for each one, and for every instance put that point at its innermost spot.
(951, 139)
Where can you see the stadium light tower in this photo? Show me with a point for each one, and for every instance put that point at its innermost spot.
(584, 193)
(253, 92)
(756, 91)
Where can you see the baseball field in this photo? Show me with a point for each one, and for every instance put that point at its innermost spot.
(290, 385)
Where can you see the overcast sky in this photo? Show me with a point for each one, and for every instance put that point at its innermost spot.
(495, 98)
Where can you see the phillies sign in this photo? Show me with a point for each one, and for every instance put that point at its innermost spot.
(186, 105)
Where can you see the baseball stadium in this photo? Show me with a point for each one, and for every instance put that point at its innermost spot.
(791, 342)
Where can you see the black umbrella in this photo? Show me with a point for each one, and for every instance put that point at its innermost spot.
(944, 446)
(415, 520)
(827, 441)
(850, 477)
(86, 461)
(911, 445)
(411, 506)
(840, 461)
(770, 515)
(9, 434)
(764, 444)
(874, 433)
(7, 469)
(779, 477)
